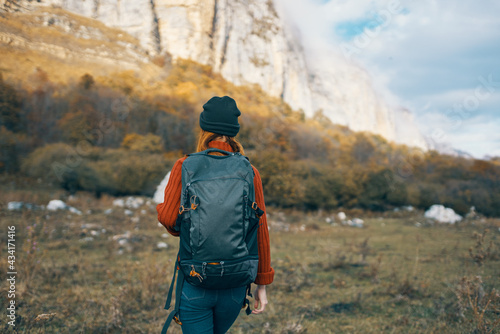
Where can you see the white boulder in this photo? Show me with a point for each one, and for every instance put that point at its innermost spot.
(443, 215)
(342, 216)
(57, 204)
(159, 195)
(13, 206)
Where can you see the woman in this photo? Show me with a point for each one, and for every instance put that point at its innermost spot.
(207, 310)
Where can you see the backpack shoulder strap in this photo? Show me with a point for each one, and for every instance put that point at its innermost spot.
(178, 291)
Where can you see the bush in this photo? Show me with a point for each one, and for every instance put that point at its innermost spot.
(113, 171)
(50, 163)
(322, 188)
(281, 187)
(121, 172)
(148, 143)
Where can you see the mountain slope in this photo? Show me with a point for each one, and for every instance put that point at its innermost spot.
(249, 43)
(65, 45)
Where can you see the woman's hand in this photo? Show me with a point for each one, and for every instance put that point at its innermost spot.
(260, 298)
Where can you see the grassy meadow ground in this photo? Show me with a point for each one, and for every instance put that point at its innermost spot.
(398, 274)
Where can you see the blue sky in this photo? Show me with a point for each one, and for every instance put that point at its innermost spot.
(439, 59)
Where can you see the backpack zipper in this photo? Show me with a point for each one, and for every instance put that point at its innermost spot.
(193, 273)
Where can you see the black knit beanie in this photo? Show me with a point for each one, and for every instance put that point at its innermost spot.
(220, 115)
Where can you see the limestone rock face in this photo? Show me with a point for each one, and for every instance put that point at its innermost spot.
(249, 43)
(345, 94)
(243, 40)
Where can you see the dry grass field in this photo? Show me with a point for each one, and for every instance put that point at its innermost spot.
(104, 271)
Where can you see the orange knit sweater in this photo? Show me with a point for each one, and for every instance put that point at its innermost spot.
(169, 209)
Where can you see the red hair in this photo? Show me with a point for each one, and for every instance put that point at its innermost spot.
(206, 137)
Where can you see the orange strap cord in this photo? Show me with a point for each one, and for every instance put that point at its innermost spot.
(193, 273)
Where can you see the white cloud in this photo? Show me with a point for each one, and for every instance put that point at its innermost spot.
(428, 56)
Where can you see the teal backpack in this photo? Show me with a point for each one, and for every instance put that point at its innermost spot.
(218, 221)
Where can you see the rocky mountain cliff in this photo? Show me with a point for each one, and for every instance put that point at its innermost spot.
(249, 43)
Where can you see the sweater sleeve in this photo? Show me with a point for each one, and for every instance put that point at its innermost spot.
(169, 209)
(265, 273)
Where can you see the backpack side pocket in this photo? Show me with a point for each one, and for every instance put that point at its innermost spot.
(185, 251)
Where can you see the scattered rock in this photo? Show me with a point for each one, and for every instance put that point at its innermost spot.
(130, 202)
(13, 206)
(119, 202)
(74, 210)
(45, 316)
(134, 202)
(90, 226)
(56, 204)
(125, 235)
(408, 208)
(355, 222)
(162, 244)
(472, 214)
(16, 206)
(278, 226)
(358, 222)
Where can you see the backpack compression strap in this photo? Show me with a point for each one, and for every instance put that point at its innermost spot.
(178, 291)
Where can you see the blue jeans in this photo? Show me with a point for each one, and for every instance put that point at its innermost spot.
(209, 311)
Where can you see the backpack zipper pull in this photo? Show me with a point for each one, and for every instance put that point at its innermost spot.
(195, 274)
(222, 268)
(203, 267)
